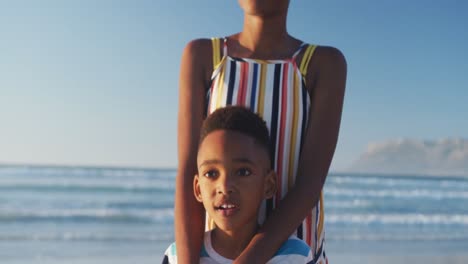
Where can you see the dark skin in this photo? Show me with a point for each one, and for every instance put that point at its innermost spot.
(263, 37)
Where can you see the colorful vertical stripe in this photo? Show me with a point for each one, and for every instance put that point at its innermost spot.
(275, 89)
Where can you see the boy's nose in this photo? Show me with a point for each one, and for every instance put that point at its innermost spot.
(225, 185)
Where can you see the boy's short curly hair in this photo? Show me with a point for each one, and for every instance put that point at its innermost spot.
(240, 119)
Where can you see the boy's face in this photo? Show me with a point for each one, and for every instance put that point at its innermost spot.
(233, 178)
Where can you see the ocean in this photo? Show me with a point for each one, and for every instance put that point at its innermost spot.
(117, 215)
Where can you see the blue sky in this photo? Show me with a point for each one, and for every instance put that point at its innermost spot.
(95, 82)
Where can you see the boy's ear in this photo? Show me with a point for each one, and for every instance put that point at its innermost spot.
(196, 188)
(270, 184)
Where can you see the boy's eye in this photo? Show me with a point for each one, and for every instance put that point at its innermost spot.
(244, 172)
(210, 174)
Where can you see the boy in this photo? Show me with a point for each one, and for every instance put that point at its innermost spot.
(234, 177)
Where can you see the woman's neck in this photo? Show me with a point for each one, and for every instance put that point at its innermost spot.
(230, 244)
(263, 38)
(260, 33)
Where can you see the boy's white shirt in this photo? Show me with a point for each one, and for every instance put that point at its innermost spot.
(293, 250)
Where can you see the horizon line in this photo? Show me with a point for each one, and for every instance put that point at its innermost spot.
(136, 167)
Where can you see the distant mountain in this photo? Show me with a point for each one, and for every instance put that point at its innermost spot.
(410, 156)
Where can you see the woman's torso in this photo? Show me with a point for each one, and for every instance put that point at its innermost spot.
(276, 90)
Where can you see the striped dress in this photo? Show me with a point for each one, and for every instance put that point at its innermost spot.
(274, 89)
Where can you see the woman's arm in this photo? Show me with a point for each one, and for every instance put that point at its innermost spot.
(189, 214)
(326, 81)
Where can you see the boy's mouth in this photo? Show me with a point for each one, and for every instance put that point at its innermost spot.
(227, 209)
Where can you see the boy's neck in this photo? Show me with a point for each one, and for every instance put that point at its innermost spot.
(230, 244)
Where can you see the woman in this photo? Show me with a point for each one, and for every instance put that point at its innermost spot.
(298, 89)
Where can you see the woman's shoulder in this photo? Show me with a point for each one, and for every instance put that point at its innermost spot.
(326, 62)
(199, 47)
(327, 56)
(198, 55)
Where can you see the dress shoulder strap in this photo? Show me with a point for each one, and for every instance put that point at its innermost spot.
(217, 56)
(306, 59)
